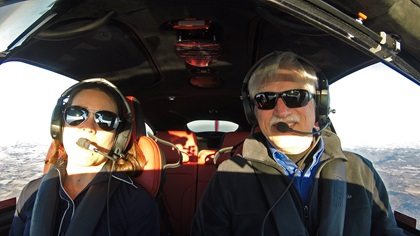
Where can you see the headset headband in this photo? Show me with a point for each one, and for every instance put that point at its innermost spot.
(322, 98)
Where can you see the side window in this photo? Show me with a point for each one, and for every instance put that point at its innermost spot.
(377, 116)
(28, 95)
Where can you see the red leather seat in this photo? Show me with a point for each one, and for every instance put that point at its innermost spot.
(205, 172)
(152, 176)
(179, 191)
(231, 144)
(207, 165)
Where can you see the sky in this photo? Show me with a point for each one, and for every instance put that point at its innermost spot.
(374, 107)
(27, 97)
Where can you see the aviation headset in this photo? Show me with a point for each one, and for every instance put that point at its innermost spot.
(322, 97)
(123, 133)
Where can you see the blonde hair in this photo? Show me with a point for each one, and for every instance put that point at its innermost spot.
(282, 66)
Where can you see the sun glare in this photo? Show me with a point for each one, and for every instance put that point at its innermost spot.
(28, 94)
(376, 106)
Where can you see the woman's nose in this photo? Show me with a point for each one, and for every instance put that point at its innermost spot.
(89, 124)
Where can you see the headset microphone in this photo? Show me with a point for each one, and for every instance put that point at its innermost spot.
(283, 127)
(86, 144)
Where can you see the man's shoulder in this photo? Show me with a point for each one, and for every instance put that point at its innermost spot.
(236, 164)
(356, 157)
(233, 163)
(357, 163)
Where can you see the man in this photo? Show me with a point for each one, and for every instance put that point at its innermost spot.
(292, 177)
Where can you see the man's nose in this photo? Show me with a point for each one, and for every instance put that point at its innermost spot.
(281, 110)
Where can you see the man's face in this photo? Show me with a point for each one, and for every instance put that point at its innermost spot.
(300, 119)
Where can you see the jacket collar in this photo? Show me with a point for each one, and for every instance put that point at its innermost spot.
(332, 146)
(255, 147)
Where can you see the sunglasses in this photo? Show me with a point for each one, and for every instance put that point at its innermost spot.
(292, 99)
(77, 115)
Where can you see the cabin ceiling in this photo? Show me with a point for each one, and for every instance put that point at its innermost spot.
(137, 46)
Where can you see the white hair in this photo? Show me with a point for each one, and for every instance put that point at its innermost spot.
(284, 66)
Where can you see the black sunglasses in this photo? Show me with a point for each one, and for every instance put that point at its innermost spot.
(77, 115)
(292, 98)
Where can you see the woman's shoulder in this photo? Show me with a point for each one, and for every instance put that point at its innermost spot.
(28, 192)
(32, 186)
(133, 199)
(132, 191)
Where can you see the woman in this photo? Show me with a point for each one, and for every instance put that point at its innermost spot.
(91, 128)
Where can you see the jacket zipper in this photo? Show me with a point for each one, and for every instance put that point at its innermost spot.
(306, 216)
(304, 209)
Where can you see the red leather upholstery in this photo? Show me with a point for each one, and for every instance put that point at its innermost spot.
(179, 191)
(206, 165)
(206, 169)
(205, 157)
(234, 140)
(151, 178)
(185, 141)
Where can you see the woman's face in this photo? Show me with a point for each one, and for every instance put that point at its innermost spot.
(93, 100)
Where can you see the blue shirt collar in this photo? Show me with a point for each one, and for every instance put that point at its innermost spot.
(303, 180)
(288, 165)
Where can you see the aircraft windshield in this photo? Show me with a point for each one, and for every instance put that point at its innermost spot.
(17, 16)
(377, 117)
(377, 120)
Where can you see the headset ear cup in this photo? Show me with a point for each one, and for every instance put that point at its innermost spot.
(123, 137)
(56, 122)
(57, 114)
(248, 106)
(322, 101)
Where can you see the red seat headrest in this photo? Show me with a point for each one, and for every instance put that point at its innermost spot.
(151, 177)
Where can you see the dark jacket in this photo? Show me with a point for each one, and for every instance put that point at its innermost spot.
(251, 192)
(44, 204)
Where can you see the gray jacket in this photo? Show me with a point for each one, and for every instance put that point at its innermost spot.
(251, 192)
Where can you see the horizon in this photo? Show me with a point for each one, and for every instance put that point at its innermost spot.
(346, 98)
(26, 134)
